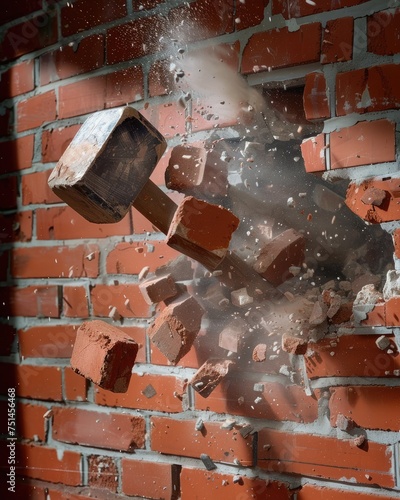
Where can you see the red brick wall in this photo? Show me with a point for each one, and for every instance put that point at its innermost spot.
(63, 60)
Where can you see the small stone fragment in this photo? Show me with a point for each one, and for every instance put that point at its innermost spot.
(382, 342)
(259, 353)
(199, 424)
(344, 423)
(149, 391)
(208, 463)
(357, 441)
(209, 375)
(241, 298)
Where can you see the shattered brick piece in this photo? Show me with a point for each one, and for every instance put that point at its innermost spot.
(318, 314)
(276, 258)
(293, 344)
(176, 328)
(193, 170)
(382, 342)
(333, 301)
(343, 314)
(241, 298)
(374, 196)
(158, 289)
(215, 298)
(202, 231)
(260, 353)
(357, 441)
(233, 336)
(104, 355)
(343, 423)
(180, 269)
(209, 375)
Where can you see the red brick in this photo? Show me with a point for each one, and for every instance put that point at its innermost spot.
(17, 154)
(149, 479)
(337, 43)
(17, 80)
(368, 90)
(56, 141)
(101, 92)
(75, 302)
(300, 9)
(213, 485)
(113, 431)
(126, 298)
(318, 456)
(16, 227)
(393, 312)
(278, 402)
(249, 13)
(168, 119)
(161, 79)
(46, 464)
(55, 262)
(382, 30)
(47, 341)
(140, 34)
(36, 111)
(365, 143)
(36, 190)
(82, 15)
(388, 211)
(103, 473)
(63, 223)
(286, 48)
(314, 153)
(7, 338)
(221, 445)
(70, 60)
(352, 356)
(75, 386)
(371, 407)
(31, 301)
(30, 421)
(33, 382)
(104, 354)
(313, 492)
(167, 388)
(316, 105)
(131, 258)
(8, 192)
(33, 34)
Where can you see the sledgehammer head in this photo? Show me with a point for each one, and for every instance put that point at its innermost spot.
(107, 164)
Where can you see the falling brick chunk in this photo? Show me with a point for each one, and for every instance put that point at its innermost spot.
(293, 344)
(233, 336)
(202, 231)
(196, 169)
(279, 255)
(176, 328)
(104, 355)
(158, 289)
(260, 353)
(374, 196)
(209, 375)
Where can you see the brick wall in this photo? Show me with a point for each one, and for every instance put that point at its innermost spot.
(61, 61)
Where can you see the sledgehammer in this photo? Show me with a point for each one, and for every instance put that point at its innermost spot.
(106, 169)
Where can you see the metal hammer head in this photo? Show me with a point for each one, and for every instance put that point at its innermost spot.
(107, 164)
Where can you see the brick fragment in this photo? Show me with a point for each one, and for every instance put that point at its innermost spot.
(382, 342)
(241, 297)
(104, 355)
(233, 336)
(293, 344)
(260, 353)
(158, 289)
(344, 423)
(278, 255)
(194, 169)
(202, 230)
(209, 375)
(176, 328)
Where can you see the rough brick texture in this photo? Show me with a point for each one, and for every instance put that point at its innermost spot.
(324, 89)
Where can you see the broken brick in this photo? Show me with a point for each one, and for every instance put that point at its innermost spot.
(280, 254)
(374, 196)
(260, 353)
(176, 328)
(343, 423)
(232, 337)
(293, 344)
(209, 375)
(202, 231)
(158, 289)
(104, 354)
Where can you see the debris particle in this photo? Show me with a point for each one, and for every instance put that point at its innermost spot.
(259, 353)
(149, 391)
(114, 314)
(382, 342)
(208, 463)
(199, 424)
